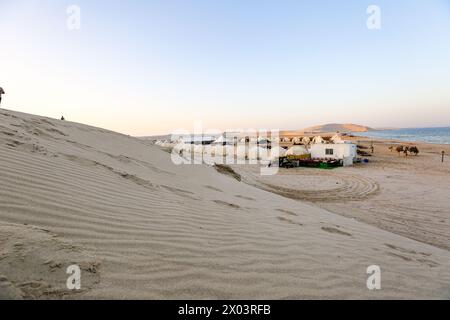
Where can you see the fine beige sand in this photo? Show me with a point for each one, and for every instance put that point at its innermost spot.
(404, 195)
(140, 227)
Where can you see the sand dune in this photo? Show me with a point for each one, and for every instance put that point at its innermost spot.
(141, 227)
(336, 127)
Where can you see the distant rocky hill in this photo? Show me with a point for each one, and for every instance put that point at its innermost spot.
(336, 127)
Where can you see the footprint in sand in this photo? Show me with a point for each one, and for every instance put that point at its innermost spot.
(245, 198)
(213, 188)
(53, 130)
(411, 255)
(287, 212)
(35, 262)
(8, 291)
(180, 192)
(290, 221)
(227, 204)
(10, 134)
(336, 231)
(14, 144)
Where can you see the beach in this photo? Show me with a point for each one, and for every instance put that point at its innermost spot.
(140, 227)
(403, 195)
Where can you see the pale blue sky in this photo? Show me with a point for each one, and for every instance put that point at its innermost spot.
(149, 67)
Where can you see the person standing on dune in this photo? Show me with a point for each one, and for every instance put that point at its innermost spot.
(1, 92)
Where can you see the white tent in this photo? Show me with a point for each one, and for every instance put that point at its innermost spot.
(178, 147)
(220, 151)
(296, 140)
(318, 140)
(188, 148)
(229, 151)
(286, 140)
(306, 140)
(277, 152)
(164, 143)
(297, 151)
(336, 139)
(198, 148)
(276, 140)
(263, 140)
(241, 152)
(256, 153)
(264, 154)
(220, 140)
(209, 150)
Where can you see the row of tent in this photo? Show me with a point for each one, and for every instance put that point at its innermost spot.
(244, 152)
(164, 144)
(315, 140)
(265, 140)
(240, 151)
(295, 141)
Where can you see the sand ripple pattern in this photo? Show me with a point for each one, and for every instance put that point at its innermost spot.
(305, 184)
(145, 228)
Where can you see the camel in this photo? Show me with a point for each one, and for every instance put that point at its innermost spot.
(405, 151)
(414, 150)
(399, 149)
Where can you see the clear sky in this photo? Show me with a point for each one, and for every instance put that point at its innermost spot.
(150, 67)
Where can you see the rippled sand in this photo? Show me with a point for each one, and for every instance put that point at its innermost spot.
(140, 227)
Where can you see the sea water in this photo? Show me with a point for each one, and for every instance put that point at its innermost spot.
(431, 135)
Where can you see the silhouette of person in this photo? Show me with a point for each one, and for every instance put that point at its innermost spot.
(1, 92)
(62, 118)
